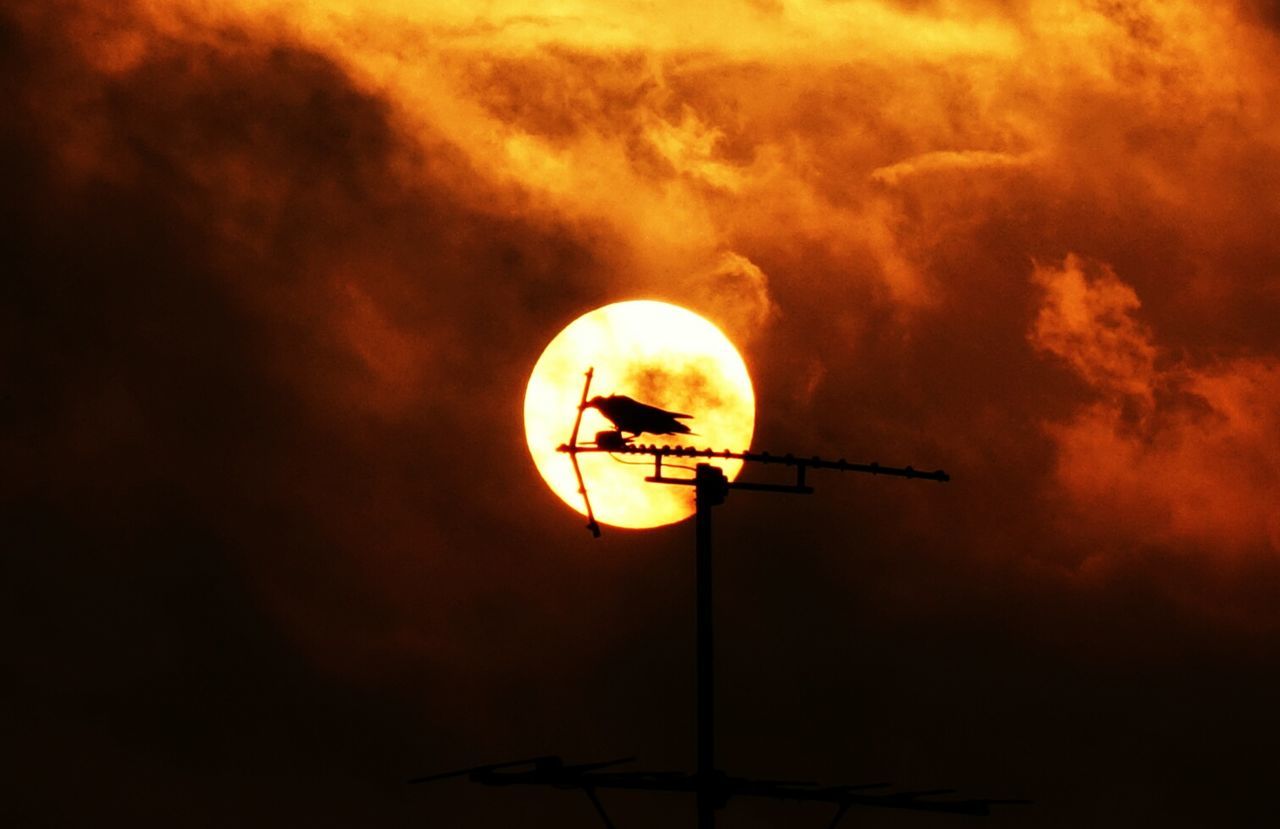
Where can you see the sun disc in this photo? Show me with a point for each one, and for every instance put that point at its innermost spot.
(659, 354)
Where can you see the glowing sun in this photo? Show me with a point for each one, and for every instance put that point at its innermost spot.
(656, 353)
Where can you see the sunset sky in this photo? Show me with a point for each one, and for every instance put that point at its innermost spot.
(276, 273)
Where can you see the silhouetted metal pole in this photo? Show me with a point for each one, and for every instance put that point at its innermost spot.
(711, 486)
(712, 787)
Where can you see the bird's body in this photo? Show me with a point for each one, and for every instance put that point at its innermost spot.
(632, 416)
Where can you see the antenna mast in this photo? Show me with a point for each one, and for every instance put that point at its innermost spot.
(711, 786)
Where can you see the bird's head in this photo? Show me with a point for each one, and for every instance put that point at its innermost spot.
(593, 403)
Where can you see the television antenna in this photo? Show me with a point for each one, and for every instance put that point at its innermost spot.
(712, 787)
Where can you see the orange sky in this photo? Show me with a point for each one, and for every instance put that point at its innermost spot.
(1112, 164)
(1037, 231)
(284, 267)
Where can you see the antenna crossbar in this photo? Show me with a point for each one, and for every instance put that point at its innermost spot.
(718, 787)
(765, 458)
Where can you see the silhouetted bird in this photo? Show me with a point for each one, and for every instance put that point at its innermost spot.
(635, 417)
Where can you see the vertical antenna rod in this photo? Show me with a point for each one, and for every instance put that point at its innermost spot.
(711, 487)
(573, 456)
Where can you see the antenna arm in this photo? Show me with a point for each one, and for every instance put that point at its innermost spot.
(595, 801)
(573, 450)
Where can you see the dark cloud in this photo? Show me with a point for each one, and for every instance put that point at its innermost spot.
(1267, 11)
(235, 344)
(274, 539)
